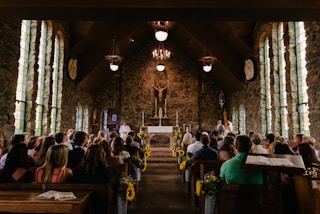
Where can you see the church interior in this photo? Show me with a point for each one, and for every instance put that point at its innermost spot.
(92, 65)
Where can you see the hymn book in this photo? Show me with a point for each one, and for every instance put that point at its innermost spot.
(61, 196)
(262, 160)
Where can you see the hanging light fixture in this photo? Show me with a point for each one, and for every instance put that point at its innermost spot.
(161, 29)
(207, 60)
(160, 55)
(114, 57)
(221, 99)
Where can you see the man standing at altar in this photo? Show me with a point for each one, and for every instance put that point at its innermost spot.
(217, 129)
(124, 130)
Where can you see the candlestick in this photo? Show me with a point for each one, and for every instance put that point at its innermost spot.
(177, 123)
(155, 107)
(143, 118)
(165, 108)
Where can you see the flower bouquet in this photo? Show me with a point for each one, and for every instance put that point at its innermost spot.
(177, 136)
(186, 166)
(186, 163)
(137, 165)
(210, 186)
(142, 135)
(126, 189)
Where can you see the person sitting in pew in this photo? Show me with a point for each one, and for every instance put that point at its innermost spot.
(232, 173)
(54, 169)
(18, 165)
(93, 168)
(206, 152)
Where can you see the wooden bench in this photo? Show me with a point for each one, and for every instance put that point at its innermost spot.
(199, 169)
(97, 198)
(249, 199)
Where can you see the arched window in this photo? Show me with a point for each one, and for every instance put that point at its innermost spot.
(44, 77)
(25, 74)
(297, 39)
(280, 94)
(242, 120)
(57, 78)
(79, 118)
(266, 116)
(235, 119)
(86, 119)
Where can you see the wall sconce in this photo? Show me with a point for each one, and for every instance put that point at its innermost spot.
(114, 57)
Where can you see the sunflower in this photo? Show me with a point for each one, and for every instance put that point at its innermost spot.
(182, 165)
(148, 148)
(172, 148)
(144, 167)
(130, 194)
(198, 187)
(147, 154)
(181, 152)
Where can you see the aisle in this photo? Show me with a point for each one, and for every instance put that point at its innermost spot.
(161, 190)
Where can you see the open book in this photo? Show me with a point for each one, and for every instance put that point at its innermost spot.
(262, 160)
(61, 196)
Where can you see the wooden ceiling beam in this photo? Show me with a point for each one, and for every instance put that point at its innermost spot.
(263, 10)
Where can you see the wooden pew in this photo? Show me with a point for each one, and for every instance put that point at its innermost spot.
(102, 199)
(200, 168)
(249, 199)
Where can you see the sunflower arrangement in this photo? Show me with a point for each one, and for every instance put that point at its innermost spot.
(145, 151)
(186, 163)
(177, 135)
(210, 185)
(142, 134)
(126, 188)
(137, 162)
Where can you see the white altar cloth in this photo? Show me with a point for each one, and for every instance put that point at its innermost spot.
(160, 129)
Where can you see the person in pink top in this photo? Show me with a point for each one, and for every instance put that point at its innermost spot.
(54, 169)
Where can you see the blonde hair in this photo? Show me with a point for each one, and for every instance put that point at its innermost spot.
(56, 157)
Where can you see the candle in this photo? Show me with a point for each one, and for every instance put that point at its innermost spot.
(177, 118)
(142, 118)
(187, 129)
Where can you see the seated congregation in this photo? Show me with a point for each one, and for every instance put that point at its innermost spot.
(68, 162)
(248, 190)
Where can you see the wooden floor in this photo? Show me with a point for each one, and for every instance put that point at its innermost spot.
(161, 189)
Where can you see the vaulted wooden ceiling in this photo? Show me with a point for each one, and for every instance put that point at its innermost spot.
(225, 27)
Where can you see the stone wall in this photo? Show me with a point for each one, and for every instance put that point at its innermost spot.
(183, 79)
(250, 95)
(9, 55)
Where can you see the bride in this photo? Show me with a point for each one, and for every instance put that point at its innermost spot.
(228, 127)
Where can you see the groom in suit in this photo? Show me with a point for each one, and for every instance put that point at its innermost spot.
(217, 129)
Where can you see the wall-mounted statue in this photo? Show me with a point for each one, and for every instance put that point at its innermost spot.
(160, 92)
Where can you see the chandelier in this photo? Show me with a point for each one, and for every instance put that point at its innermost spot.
(207, 60)
(114, 57)
(160, 55)
(221, 99)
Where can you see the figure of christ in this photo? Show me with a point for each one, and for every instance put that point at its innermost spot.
(160, 92)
